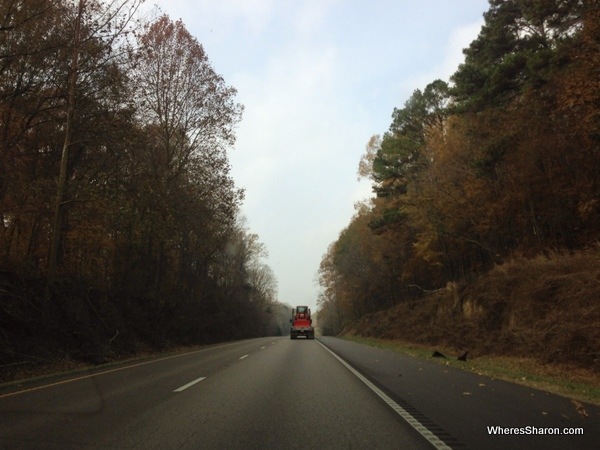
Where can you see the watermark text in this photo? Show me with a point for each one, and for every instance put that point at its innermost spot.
(528, 430)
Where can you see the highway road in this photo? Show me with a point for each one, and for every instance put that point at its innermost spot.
(282, 393)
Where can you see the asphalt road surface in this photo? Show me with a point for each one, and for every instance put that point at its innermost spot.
(281, 393)
(461, 407)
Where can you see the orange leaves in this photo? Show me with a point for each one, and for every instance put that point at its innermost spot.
(508, 164)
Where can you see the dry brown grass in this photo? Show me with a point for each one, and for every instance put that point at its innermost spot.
(544, 309)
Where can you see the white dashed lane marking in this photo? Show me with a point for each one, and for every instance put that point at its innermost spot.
(190, 384)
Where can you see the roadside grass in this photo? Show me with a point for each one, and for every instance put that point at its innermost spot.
(571, 382)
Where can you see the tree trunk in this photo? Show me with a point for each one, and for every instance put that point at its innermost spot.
(62, 178)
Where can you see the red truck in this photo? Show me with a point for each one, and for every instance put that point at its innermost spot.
(301, 323)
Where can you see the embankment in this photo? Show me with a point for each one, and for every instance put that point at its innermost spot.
(546, 308)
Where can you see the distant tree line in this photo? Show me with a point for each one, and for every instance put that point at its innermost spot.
(502, 160)
(118, 213)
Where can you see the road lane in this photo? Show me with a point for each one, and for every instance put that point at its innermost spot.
(293, 396)
(264, 393)
(91, 406)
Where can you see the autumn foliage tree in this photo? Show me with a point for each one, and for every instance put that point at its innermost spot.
(502, 160)
(131, 119)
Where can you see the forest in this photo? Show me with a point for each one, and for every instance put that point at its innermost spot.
(493, 175)
(120, 224)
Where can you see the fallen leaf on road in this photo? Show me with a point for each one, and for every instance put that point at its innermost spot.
(580, 409)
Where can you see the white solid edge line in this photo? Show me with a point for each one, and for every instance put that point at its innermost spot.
(183, 388)
(422, 429)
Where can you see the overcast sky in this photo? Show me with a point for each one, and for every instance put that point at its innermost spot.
(317, 79)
